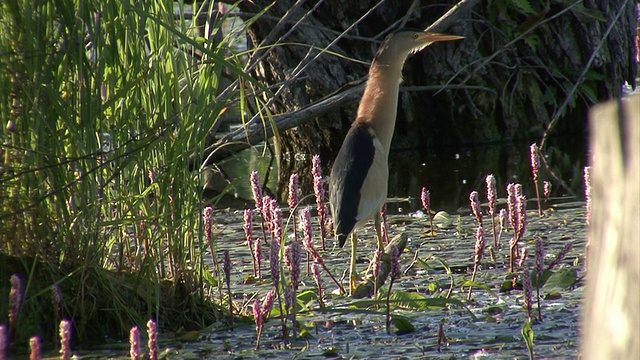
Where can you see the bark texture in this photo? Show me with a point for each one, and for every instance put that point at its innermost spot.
(523, 66)
(612, 307)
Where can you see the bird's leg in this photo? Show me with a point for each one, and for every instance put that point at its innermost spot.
(378, 224)
(353, 274)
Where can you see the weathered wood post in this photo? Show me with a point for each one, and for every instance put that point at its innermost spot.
(611, 314)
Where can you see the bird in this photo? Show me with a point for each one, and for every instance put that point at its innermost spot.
(360, 172)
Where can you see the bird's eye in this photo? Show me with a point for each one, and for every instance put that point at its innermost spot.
(416, 35)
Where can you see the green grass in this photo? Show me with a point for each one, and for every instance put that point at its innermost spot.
(83, 214)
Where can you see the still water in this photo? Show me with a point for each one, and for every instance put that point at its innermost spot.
(449, 173)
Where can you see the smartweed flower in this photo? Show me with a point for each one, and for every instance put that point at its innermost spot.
(152, 333)
(492, 200)
(36, 348)
(524, 253)
(65, 339)
(477, 258)
(535, 168)
(546, 189)
(587, 191)
(475, 207)
(256, 190)
(134, 342)
(258, 256)
(528, 291)
(15, 302)
(318, 189)
(425, 198)
(4, 342)
(561, 255)
(274, 263)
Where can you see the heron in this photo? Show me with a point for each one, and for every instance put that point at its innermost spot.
(360, 173)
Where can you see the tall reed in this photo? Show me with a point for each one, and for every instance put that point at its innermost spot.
(100, 95)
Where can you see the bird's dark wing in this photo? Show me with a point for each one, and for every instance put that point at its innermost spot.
(348, 174)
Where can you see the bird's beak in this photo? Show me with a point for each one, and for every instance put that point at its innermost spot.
(433, 37)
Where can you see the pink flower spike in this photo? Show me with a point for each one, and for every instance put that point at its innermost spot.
(523, 256)
(65, 339)
(15, 301)
(521, 217)
(4, 342)
(267, 304)
(318, 189)
(474, 199)
(134, 342)
(257, 316)
(289, 297)
(492, 199)
(535, 161)
(276, 220)
(394, 253)
(258, 257)
(208, 211)
(511, 205)
(152, 333)
(256, 190)
(546, 189)
(425, 198)
(293, 191)
(248, 218)
(36, 348)
(295, 263)
(528, 291)
(539, 264)
(587, 191)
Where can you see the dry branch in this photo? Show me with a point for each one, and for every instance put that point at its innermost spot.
(254, 131)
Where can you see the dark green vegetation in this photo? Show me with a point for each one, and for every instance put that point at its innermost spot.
(101, 104)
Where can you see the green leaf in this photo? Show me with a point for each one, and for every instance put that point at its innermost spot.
(403, 325)
(482, 286)
(442, 219)
(532, 41)
(527, 335)
(410, 299)
(524, 6)
(560, 280)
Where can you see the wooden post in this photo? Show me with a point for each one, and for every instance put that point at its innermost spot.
(611, 314)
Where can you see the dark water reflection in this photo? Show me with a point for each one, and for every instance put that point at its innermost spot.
(450, 173)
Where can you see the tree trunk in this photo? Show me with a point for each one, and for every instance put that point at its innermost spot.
(517, 72)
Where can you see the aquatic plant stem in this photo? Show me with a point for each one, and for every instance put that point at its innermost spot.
(389, 305)
(283, 319)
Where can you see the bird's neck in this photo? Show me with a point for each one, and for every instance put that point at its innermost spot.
(379, 104)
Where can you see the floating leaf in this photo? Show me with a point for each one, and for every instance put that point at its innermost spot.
(442, 219)
(482, 286)
(560, 280)
(403, 325)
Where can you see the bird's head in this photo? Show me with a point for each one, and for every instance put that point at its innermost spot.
(399, 45)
